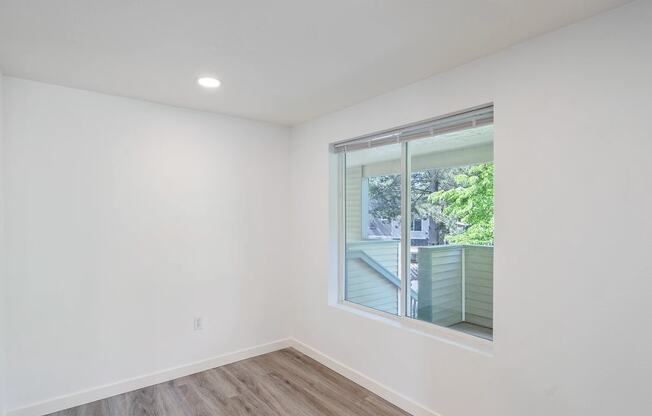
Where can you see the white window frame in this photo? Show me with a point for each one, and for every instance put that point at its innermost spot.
(448, 335)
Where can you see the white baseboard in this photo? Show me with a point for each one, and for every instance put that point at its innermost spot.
(376, 387)
(86, 396)
(108, 390)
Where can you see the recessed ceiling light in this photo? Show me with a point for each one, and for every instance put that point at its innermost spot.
(208, 82)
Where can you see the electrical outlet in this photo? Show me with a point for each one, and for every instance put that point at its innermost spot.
(198, 324)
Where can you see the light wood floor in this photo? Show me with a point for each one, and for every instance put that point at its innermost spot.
(284, 382)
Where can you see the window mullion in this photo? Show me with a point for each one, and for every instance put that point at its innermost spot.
(341, 232)
(405, 228)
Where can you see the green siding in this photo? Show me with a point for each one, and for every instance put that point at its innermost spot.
(440, 285)
(479, 285)
(353, 198)
(366, 286)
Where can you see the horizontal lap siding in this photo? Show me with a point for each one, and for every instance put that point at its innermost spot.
(353, 201)
(479, 285)
(385, 252)
(440, 284)
(366, 286)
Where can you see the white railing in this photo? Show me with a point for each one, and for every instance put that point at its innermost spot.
(455, 284)
(382, 259)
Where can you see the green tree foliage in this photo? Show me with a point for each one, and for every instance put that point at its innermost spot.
(472, 202)
(385, 199)
(458, 202)
(385, 196)
(423, 184)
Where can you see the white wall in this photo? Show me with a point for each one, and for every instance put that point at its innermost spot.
(3, 297)
(572, 277)
(125, 221)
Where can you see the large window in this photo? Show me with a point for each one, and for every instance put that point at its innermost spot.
(418, 221)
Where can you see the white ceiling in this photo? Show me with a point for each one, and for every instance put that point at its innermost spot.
(283, 61)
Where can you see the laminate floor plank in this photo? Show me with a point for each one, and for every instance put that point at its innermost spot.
(334, 393)
(318, 374)
(199, 400)
(117, 405)
(271, 395)
(281, 383)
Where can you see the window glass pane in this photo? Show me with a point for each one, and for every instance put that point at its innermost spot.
(373, 227)
(451, 252)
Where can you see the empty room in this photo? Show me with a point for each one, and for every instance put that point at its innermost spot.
(325, 207)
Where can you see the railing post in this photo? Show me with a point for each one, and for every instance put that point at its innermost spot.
(405, 229)
(463, 283)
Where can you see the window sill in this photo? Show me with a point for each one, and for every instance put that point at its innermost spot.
(426, 329)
